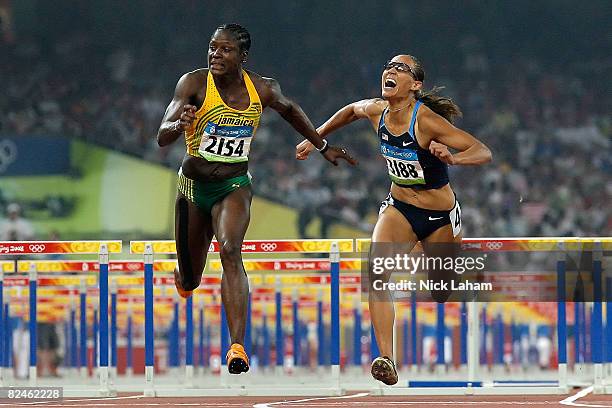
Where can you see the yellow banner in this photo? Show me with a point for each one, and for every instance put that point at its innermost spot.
(255, 246)
(7, 266)
(522, 244)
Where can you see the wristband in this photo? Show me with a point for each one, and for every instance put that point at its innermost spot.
(324, 148)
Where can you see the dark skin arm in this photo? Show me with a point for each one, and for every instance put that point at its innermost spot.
(273, 97)
(180, 114)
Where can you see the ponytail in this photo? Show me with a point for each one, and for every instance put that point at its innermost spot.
(442, 105)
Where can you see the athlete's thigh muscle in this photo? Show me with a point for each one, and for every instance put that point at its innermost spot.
(193, 233)
(231, 217)
(392, 226)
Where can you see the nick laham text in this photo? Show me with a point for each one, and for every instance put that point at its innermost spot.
(428, 284)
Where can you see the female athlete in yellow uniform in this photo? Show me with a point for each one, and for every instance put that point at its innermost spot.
(415, 131)
(218, 109)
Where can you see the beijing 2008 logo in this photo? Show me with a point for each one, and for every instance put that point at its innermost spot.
(268, 246)
(37, 247)
(495, 245)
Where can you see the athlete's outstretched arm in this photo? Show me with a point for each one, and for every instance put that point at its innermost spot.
(367, 108)
(293, 113)
(441, 134)
(179, 113)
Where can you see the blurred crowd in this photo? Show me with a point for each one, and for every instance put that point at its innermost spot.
(548, 125)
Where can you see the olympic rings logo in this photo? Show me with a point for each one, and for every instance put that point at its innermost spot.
(8, 154)
(37, 247)
(494, 245)
(268, 247)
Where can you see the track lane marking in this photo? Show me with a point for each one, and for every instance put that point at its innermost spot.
(581, 394)
(270, 404)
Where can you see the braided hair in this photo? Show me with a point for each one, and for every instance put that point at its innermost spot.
(240, 33)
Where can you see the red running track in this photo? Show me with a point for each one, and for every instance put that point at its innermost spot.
(352, 400)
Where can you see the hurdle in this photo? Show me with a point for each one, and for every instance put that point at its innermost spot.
(100, 248)
(473, 385)
(333, 247)
(5, 267)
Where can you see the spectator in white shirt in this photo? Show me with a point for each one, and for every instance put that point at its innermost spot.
(15, 227)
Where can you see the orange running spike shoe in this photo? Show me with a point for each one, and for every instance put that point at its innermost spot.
(182, 292)
(237, 359)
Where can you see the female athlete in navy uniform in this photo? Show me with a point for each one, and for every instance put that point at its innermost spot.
(415, 132)
(218, 110)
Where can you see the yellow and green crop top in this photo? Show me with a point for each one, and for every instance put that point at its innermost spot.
(221, 133)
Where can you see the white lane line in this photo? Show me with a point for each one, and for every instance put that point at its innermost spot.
(580, 394)
(270, 404)
(139, 404)
(434, 403)
(78, 400)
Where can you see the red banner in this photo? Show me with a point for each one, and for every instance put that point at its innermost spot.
(56, 247)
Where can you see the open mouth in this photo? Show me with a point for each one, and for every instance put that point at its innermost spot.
(216, 65)
(390, 83)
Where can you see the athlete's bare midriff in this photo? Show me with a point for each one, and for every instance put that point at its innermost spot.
(441, 198)
(198, 168)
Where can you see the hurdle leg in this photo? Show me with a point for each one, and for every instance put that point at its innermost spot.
(103, 276)
(129, 371)
(265, 358)
(4, 357)
(32, 326)
(278, 329)
(440, 337)
(201, 338)
(83, 327)
(73, 335)
(334, 258)
(473, 332)
(357, 333)
(463, 334)
(189, 342)
(561, 319)
(597, 335)
(149, 390)
(113, 332)
(6, 340)
(296, 328)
